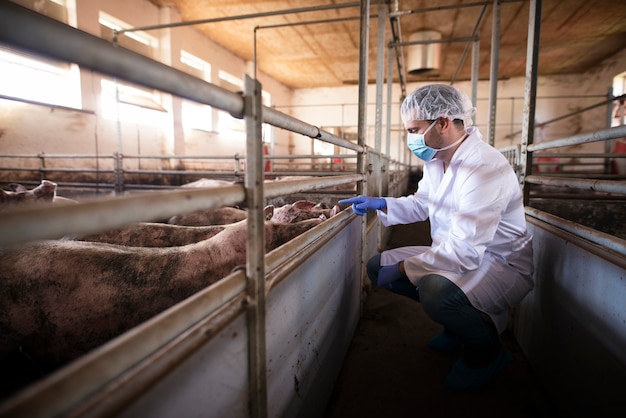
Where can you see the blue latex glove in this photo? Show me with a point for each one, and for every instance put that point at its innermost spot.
(389, 274)
(361, 204)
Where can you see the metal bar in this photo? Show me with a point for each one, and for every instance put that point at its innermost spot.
(605, 240)
(363, 84)
(29, 30)
(576, 112)
(79, 385)
(475, 75)
(32, 31)
(243, 17)
(584, 138)
(456, 6)
(389, 100)
(607, 186)
(255, 272)
(282, 120)
(465, 51)
(434, 41)
(577, 155)
(530, 94)
(397, 36)
(364, 35)
(58, 220)
(493, 75)
(284, 254)
(380, 69)
(282, 188)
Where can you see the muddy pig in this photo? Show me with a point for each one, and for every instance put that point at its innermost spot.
(219, 216)
(60, 299)
(149, 234)
(303, 209)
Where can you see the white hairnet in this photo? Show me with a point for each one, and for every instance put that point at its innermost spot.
(437, 100)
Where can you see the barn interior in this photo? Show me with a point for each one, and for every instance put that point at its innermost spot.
(125, 104)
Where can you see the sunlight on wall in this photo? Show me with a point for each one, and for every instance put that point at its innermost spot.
(40, 80)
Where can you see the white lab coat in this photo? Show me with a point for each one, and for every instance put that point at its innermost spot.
(478, 228)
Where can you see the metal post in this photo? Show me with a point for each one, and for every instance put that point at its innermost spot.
(389, 99)
(530, 93)
(255, 266)
(363, 78)
(362, 127)
(493, 77)
(475, 65)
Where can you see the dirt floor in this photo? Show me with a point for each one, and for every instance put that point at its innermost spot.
(390, 372)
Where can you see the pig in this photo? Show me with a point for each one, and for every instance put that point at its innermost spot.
(18, 195)
(208, 183)
(303, 209)
(149, 234)
(60, 299)
(219, 216)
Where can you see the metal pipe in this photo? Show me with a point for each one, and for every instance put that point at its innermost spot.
(493, 75)
(363, 84)
(530, 94)
(389, 100)
(58, 220)
(576, 112)
(475, 75)
(255, 270)
(282, 120)
(380, 68)
(80, 386)
(475, 55)
(605, 240)
(282, 188)
(397, 36)
(243, 17)
(434, 41)
(32, 31)
(284, 255)
(584, 138)
(607, 186)
(40, 34)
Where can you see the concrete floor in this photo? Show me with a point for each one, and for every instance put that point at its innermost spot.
(390, 372)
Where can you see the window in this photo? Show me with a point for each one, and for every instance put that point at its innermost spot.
(236, 127)
(131, 103)
(125, 101)
(38, 79)
(196, 115)
(229, 126)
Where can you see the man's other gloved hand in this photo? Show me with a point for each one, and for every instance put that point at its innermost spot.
(361, 204)
(388, 274)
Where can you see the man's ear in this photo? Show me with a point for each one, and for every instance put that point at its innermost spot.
(444, 123)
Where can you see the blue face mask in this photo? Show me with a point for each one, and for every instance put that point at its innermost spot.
(418, 146)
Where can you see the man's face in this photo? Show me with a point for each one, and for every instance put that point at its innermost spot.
(431, 137)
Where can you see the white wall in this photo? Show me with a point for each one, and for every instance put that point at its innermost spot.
(556, 96)
(33, 128)
(30, 128)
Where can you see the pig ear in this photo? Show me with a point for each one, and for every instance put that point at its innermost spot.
(268, 212)
(48, 183)
(17, 187)
(335, 210)
(321, 205)
(304, 204)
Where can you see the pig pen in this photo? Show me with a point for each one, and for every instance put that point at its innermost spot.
(265, 341)
(571, 325)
